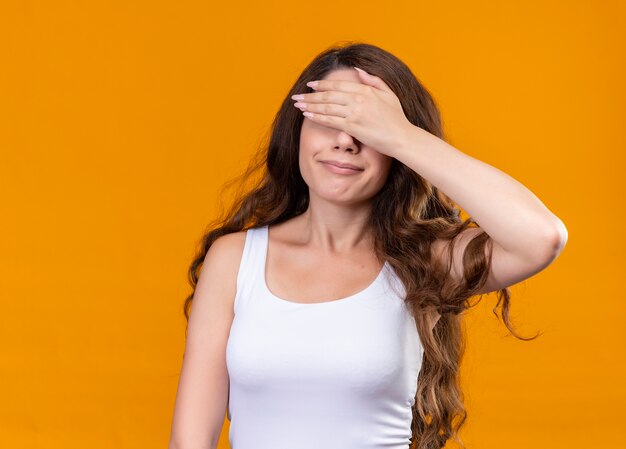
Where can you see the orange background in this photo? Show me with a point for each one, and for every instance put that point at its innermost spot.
(120, 121)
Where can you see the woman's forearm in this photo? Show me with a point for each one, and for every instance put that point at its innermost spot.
(507, 211)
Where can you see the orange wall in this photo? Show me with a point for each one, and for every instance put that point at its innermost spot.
(120, 121)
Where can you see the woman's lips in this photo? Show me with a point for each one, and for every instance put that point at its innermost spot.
(341, 170)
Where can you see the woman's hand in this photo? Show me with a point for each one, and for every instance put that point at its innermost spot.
(368, 111)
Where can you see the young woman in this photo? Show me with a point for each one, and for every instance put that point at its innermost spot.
(327, 304)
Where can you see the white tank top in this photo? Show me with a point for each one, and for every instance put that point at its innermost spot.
(340, 374)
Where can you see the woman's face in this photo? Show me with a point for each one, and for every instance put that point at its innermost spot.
(319, 143)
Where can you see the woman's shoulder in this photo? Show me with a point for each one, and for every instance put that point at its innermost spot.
(229, 245)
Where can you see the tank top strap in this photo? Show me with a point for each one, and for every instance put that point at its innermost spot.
(251, 268)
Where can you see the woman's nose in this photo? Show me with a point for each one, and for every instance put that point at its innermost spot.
(346, 141)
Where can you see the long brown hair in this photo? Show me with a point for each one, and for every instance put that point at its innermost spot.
(408, 214)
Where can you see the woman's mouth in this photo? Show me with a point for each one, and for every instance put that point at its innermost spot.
(341, 170)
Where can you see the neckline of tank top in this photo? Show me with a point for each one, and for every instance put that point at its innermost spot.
(288, 302)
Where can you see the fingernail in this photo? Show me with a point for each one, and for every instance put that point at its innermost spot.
(312, 84)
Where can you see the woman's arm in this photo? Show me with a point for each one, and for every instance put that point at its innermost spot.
(202, 397)
(526, 236)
